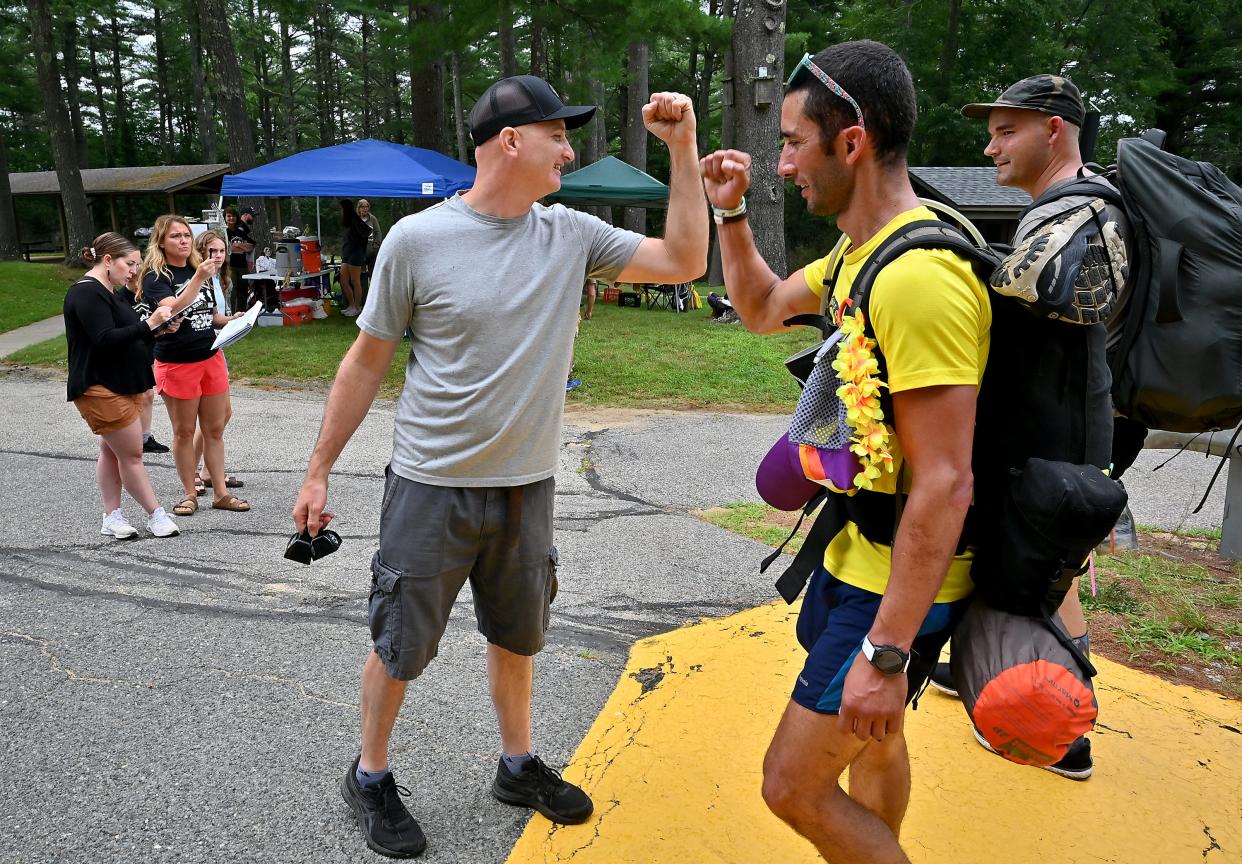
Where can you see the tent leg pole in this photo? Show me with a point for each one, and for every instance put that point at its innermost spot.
(318, 227)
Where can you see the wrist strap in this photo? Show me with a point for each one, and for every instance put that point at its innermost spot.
(722, 217)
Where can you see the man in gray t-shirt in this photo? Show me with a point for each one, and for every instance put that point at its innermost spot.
(487, 284)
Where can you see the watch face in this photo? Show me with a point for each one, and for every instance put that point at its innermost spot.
(890, 661)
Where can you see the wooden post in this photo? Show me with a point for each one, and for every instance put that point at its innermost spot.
(172, 202)
(279, 220)
(116, 217)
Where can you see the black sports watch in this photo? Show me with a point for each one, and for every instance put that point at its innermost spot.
(889, 659)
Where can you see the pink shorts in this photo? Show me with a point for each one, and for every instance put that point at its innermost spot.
(208, 377)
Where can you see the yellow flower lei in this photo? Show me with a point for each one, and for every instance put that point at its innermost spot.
(856, 367)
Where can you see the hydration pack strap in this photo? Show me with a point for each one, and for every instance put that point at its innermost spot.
(826, 526)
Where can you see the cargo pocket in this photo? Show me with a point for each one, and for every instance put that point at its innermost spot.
(553, 585)
(384, 609)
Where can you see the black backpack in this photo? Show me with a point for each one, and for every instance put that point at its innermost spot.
(1179, 365)
(1043, 436)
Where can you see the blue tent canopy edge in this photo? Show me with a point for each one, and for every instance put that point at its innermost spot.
(380, 169)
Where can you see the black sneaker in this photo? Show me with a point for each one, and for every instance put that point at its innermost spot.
(387, 826)
(942, 679)
(1077, 763)
(540, 787)
(150, 445)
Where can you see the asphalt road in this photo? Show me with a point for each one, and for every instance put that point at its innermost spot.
(194, 699)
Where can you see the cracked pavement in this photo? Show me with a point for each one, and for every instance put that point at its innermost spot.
(194, 699)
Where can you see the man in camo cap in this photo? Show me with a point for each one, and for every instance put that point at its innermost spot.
(1069, 263)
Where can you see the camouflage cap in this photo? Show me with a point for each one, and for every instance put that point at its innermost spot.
(1049, 94)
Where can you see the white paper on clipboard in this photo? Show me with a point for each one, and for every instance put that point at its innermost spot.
(238, 327)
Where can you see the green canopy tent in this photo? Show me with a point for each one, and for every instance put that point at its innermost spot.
(611, 183)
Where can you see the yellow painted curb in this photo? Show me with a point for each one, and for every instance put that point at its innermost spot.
(674, 765)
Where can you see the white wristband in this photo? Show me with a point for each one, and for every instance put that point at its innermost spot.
(725, 214)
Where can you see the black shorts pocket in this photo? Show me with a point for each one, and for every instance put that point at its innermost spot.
(384, 609)
(553, 585)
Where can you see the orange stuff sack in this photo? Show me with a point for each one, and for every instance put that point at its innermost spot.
(1023, 690)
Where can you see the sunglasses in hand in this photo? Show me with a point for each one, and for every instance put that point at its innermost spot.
(304, 548)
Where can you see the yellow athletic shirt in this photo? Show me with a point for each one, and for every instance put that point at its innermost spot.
(931, 317)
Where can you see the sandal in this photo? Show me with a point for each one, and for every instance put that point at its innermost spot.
(186, 506)
(231, 502)
(230, 482)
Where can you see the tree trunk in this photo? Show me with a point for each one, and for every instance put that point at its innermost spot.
(728, 137)
(260, 23)
(634, 145)
(198, 75)
(100, 106)
(286, 87)
(237, 129)
(459, 118)
(78, 229)
(367, 109)
(595, 142)
(426, 83)
(163, 97)
(9, 244)
(73, 80)
(127, 154)
(758, 42)
(508, 49)
(538, 40)
(703, 90)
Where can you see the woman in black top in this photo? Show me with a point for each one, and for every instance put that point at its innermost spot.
(240, 244)
(189, 373)
(354, 239)
(109, 371)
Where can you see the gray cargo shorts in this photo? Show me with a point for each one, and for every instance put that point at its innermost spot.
(435, 538)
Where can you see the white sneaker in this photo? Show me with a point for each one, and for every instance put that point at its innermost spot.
(161, 524)
(115, 525)
(350, 312)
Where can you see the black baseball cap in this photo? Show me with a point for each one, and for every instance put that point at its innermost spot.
(248, 211)
(1048, 94)
(520, 100)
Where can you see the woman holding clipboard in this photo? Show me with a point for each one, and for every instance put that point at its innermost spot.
(109, 373)
(189, 373)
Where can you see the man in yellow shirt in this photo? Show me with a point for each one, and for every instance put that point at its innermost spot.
(875, 616)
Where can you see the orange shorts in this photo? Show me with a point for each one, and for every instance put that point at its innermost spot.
(107, 412)
(208, 377)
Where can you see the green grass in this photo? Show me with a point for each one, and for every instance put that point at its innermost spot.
(758, 522)
(31, 292)
(1170, 607)
(1205, 533)
(627, 357)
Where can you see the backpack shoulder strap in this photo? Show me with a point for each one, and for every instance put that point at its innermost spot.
(923, 234)
(837, 510)
(1084, 186)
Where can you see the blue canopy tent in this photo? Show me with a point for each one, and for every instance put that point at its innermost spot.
(358, 169)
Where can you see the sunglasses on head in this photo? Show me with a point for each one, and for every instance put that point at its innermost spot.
(807, 66)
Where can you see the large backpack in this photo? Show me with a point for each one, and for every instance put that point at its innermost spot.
(1043, 436)
(1179, 365)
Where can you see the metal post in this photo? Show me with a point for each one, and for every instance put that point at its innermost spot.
(1231, 525)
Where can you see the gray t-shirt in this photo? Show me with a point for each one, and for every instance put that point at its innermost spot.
(1117, 319)
(491, 304)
